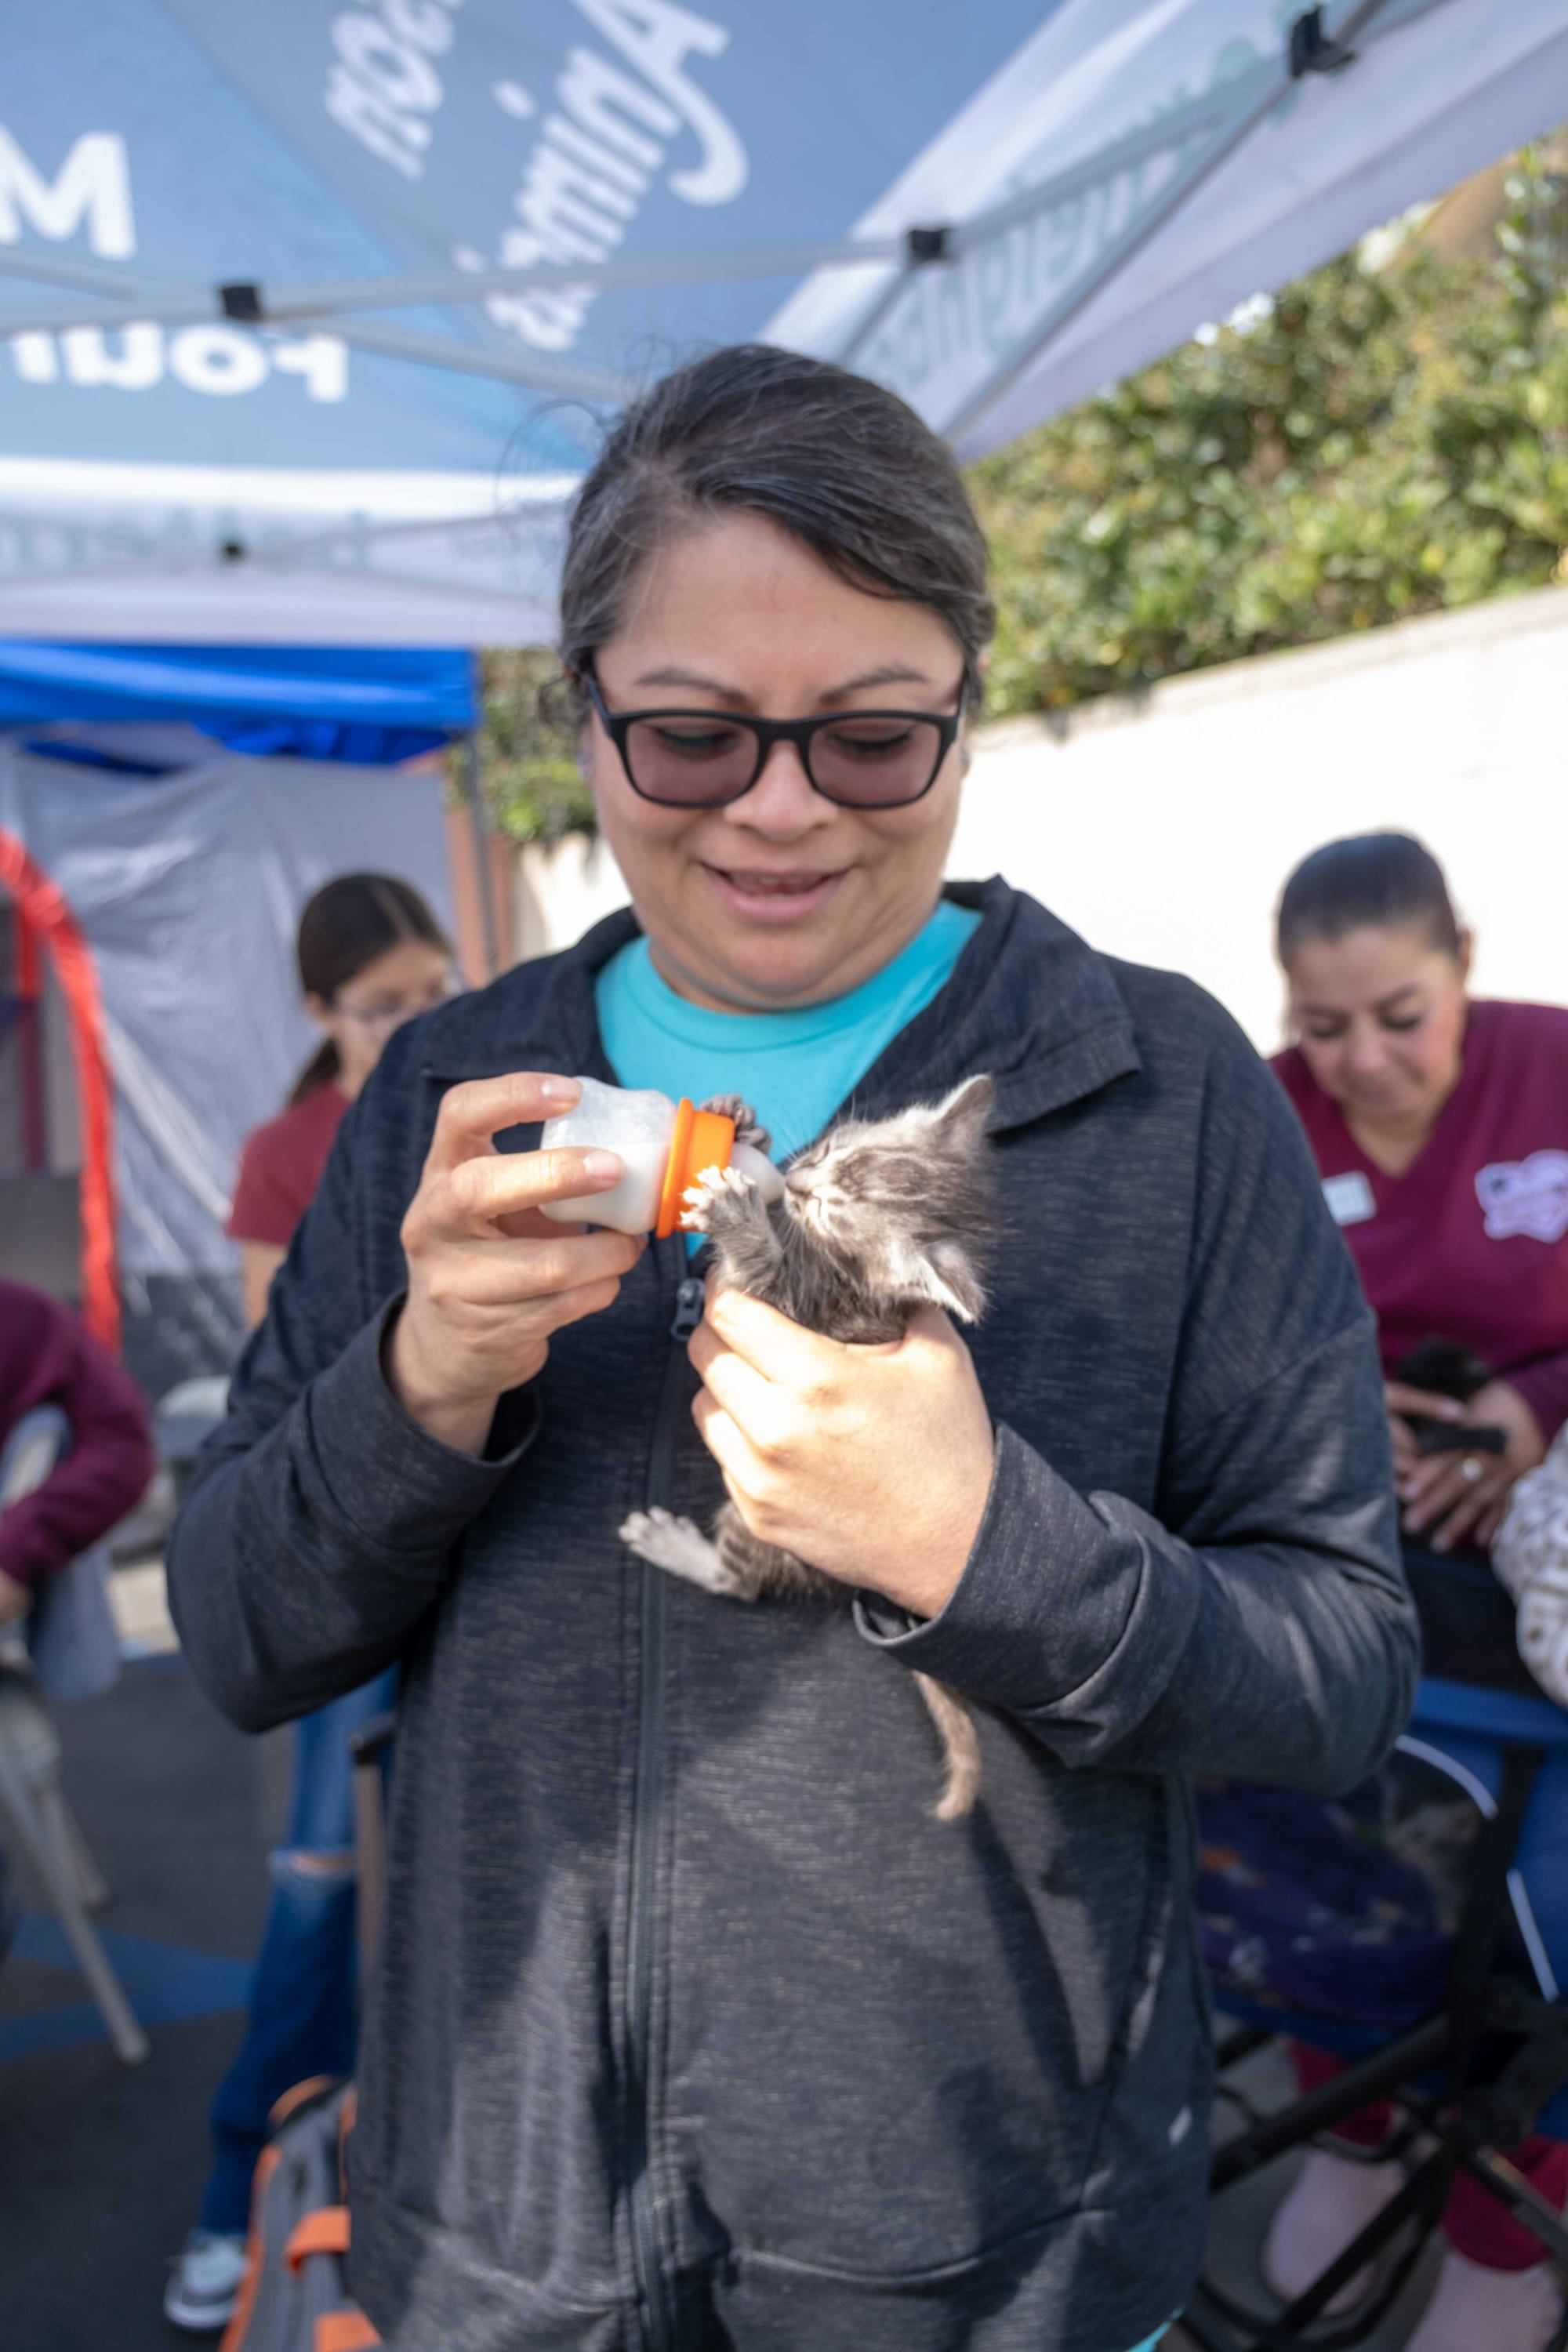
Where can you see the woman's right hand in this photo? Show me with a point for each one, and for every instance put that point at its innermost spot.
(1406, 1403)
(489, 1277)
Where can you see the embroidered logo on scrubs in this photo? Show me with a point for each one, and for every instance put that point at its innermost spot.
(1350, 1198)
(1526, 1196)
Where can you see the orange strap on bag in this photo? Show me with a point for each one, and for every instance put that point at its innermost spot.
(345, 2331)
(324, 2232)
(234, 2333)
(281, 2109)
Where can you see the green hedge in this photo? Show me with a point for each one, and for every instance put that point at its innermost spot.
(1364, 447)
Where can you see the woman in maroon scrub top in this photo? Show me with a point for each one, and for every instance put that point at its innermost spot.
(1440, 1127)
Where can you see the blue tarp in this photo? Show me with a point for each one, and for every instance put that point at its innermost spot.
(365, 705)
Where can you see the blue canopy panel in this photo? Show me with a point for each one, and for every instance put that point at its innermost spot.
(370, 706)
(311, 318)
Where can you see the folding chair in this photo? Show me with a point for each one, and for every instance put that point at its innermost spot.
(31, 1798)
(1415, 1930)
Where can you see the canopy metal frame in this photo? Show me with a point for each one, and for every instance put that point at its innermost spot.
(1199, 135)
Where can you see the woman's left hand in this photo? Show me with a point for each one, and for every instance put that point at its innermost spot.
(1461, 1497)
(871, 1463)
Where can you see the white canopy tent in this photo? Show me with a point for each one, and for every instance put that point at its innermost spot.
(313, 318)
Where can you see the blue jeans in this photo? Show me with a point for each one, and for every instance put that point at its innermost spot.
(304, 2009)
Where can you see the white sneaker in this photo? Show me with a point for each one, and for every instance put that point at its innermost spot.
(205, 2285)
(1505, 2311)
(1328, 2204)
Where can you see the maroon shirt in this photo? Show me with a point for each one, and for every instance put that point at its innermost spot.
(281, 1166)
(47, 1357)
(1471, 1243)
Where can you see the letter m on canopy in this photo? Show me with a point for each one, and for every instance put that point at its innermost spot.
(91, 186)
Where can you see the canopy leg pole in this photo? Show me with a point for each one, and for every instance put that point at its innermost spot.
(469, 772)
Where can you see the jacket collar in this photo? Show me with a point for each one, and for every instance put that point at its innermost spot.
(1029, 1001)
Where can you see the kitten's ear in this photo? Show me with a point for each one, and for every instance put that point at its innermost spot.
(968, 1107)
(944, 1274)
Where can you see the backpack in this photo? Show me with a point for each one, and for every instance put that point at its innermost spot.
(293, 2298)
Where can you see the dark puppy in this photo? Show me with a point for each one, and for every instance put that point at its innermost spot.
(878, 1218)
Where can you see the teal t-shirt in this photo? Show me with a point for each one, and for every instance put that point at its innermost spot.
(794, 1067)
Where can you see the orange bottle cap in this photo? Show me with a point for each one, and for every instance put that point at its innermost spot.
(701, 1139)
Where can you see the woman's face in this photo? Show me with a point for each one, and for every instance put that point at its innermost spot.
(1380, 1018)
(411, 977)
(781, 898)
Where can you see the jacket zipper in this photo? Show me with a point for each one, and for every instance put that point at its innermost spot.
(646, 1801)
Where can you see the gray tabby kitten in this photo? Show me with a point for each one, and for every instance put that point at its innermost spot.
(878, 1218)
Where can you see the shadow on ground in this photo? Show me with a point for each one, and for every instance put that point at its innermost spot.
(102, 2165)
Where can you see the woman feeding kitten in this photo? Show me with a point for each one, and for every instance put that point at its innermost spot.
(691, 2027)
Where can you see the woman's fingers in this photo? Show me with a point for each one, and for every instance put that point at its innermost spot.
(1450, 1504)
(480, 1109)
(731, 1381)
(1466, 1516)
(769, 1342)
(1402, 1439)
(1423, 1404)
(586, 1298)
(507, 1273)
(731, 1447)
(1433, 1486)
(1428, 1478)
(509, 1182)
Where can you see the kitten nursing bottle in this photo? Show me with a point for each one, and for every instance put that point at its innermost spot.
(665, 1145)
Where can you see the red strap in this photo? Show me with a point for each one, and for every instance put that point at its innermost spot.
(324, 2232)
(44, 910)
(345, 2331)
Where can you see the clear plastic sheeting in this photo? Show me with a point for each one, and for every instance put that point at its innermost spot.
(186, 890)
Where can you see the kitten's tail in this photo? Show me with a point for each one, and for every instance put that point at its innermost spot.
(960, 1750)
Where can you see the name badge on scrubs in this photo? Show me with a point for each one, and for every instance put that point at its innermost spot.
(1349, 1198)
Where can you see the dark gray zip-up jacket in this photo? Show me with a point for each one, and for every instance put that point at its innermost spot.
(692, 2029)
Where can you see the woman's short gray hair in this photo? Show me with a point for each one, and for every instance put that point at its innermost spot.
(838, 460)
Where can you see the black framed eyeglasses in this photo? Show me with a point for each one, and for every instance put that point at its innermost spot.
(702, 758)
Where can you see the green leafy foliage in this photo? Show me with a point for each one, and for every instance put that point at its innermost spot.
(1362, 447)
(1365, 446)
(528, 750)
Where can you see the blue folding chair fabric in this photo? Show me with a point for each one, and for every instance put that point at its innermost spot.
(1334, 1921)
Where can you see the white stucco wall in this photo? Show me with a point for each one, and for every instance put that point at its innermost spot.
(1162, 831)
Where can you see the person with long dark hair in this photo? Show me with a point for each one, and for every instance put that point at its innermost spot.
(1439, 1124)
(692, 2027)
(371, 956)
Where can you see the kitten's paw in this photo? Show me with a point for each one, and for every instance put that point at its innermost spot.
(680, 1547)
(714, 1188)
(736, 1108)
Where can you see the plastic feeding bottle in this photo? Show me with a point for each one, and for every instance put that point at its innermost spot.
(665, 1145)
